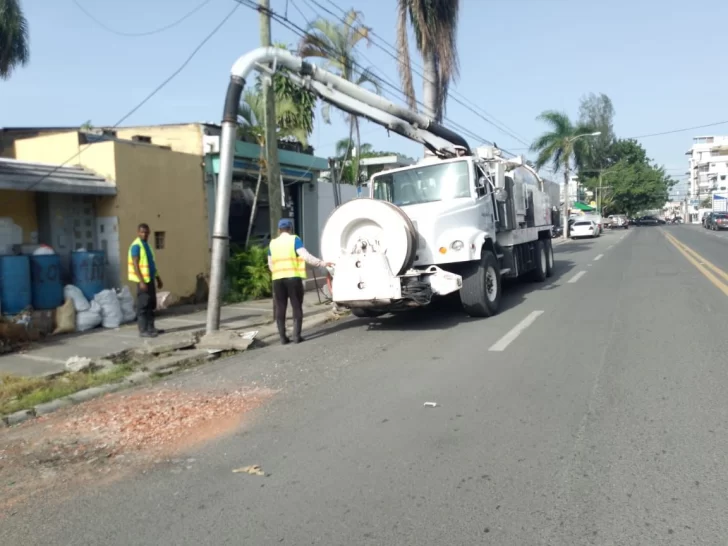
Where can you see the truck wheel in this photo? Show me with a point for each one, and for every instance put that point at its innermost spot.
(540, 273)
(481, 290)
(549, 258)
(365, 313)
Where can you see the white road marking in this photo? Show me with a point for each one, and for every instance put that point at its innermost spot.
(516, 331)
(610, 246)
(42, 358)
(576, 277)
(599, 257)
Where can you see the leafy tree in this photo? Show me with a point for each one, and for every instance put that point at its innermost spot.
(303, 117)
(633, 181)
(14, 38)
(434, 23)
(597, 111)
(337, 43)
(561, 146)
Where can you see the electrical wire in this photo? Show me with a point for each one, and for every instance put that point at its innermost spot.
(139, 34)
(296, 29)
(457, 97)
(150, 95)
(681, 130)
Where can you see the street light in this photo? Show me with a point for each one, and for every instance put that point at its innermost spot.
(565, 211)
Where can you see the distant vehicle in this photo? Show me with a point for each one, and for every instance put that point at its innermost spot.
(584, 228)
(717, 221)
(619, 221)
(649, 221)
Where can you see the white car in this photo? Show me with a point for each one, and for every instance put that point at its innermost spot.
(598, 220)
(584, 227)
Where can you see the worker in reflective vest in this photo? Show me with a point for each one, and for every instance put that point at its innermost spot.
(143, 271)
(287, 263)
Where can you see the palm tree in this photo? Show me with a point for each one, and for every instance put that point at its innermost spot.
(560, 145)
(434, 23)
(14, 39)
(336, 43)
(251, 122)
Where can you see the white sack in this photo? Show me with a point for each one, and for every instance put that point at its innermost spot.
(87, 320)
(126, 301)
(80, 303)
(111, 315)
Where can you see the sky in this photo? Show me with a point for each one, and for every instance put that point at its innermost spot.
(660, 62)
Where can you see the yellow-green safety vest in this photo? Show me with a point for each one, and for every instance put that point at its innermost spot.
(285, 262)
(143, 262)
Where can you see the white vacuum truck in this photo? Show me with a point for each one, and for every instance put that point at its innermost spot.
(439, 227)
(458, 221)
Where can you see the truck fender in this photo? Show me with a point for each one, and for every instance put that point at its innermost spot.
(473, 240)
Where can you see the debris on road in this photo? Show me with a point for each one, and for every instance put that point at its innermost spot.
(430, 404)
(110, 436)
(253, 469)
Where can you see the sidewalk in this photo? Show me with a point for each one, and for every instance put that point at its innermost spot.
(49, 356)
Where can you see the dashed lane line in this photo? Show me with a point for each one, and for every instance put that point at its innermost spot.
(599, 257)
(516, 331)
(576, 277)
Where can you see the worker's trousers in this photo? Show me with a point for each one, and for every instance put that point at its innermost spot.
(284, 290)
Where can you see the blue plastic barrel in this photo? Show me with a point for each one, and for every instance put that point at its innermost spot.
(87, 271)
(46, 285)
(14, 284)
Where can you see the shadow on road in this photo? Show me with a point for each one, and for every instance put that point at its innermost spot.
(447, 312)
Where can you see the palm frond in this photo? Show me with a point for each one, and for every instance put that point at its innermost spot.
(14, 38)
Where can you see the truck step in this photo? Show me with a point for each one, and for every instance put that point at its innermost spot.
(505, 271)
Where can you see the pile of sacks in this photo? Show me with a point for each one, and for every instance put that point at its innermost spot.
(109, 308)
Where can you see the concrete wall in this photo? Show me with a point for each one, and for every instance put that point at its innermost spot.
(181, 138)
(20, 207)
(164, 189)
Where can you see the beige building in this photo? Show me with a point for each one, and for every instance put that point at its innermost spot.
(96, 200)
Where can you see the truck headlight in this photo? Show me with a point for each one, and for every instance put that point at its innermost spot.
(457, 245)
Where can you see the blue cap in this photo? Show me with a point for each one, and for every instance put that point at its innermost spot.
(285, 223)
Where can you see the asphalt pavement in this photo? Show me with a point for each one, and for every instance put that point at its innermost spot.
(591, 410)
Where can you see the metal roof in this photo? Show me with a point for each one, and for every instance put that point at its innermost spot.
(46, 177)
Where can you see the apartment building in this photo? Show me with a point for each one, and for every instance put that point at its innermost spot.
(708, 165)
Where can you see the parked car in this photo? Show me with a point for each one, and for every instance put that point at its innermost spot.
(584, 228)
(717, 221)
(619, 221)
(598, 220)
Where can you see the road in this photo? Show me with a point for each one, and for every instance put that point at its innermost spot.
(592, 410)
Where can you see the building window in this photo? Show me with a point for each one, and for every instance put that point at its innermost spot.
(159, 237)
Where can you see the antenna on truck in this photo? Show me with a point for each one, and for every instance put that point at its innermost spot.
(331, 88)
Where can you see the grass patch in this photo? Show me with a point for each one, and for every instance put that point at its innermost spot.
(20, 393)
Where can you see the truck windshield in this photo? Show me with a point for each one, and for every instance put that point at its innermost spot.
(424, 184)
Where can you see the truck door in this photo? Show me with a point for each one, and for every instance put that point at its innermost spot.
(485, 201)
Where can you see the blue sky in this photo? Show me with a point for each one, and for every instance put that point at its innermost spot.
(660, 62)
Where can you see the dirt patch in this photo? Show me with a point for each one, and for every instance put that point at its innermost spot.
(105, 439)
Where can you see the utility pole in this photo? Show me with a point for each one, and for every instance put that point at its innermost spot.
(271, 142)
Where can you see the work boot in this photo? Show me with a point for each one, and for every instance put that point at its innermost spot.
(281, 323)
(152, 329)
(297, 323)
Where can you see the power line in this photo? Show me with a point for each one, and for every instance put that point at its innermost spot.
(138, 34)
(681, 130)
(457, 97)
(150, 95)
(293, 27)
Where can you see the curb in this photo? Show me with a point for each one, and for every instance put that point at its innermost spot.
(314, 322)
(147, 372)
